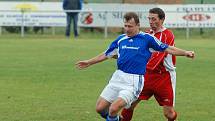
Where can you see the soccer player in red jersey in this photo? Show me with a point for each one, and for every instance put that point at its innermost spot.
(160, 77)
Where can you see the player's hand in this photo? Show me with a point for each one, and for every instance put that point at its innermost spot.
(190, 54)
(82, 64)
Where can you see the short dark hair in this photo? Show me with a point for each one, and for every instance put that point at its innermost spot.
(129, 15)
(158, 11)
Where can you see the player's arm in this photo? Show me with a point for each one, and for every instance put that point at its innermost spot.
(179, 52)
(86, 63)
(159, 46)
(109, 53)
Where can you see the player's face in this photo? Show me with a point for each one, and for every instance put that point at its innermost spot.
(131, 28)
(154, 21)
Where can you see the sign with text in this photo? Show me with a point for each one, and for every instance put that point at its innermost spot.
(32, 14)
(100, 15)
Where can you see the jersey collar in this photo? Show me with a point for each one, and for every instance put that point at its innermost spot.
(161, 30)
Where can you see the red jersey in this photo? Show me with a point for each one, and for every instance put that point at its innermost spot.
(161, 61)
(160, 76)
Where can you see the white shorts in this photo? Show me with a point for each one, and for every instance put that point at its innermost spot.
(124, 85)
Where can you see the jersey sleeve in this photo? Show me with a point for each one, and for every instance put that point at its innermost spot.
(112, 49)
(156, 44)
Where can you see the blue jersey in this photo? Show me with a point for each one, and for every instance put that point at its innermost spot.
(134, 52)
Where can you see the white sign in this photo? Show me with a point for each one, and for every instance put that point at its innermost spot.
(194, 15)
(32, 14)
(112, 14)
(177, 16)
(100, 15)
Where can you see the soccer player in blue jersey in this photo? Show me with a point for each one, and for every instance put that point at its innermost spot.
(134, 48)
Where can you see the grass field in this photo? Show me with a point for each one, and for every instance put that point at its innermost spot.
(38, 80)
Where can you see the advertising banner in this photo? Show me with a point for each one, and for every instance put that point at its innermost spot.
(101, 15)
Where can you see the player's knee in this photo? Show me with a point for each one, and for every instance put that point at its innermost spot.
(171, 115)
(113, 109)
(99, 109)
(101, 106)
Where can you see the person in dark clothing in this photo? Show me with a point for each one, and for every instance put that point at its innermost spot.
(72, 5)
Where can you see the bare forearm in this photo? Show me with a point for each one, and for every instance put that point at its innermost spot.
(97, 59)
(175, 51)
(86, 63)
(179, 52)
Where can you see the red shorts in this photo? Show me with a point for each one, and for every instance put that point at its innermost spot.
(161, 85)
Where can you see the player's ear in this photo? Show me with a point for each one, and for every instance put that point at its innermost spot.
(138, 24)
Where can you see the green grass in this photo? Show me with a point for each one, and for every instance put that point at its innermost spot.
(38, 80)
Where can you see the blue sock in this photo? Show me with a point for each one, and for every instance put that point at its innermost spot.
(112, 118)
(104, 114)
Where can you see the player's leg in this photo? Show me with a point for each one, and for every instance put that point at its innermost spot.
(130, 86)
(168, 110)
(102, 106)
(165, 94)
(107, 97)
(146, 93)
(125, 99)
(169, 113)
(115, 107)
(127, 114)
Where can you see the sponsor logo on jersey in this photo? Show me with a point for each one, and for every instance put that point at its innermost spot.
(126, 47)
